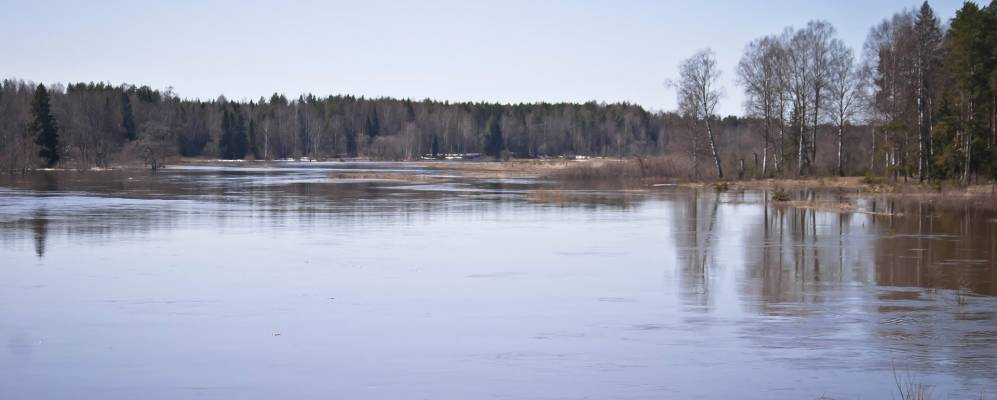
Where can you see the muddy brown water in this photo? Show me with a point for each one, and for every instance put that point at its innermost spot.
(276, 281)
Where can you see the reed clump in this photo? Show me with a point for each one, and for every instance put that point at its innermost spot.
(639, 168)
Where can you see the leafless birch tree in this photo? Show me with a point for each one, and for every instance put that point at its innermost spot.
(844, 93)
(698, 94)
(758, 71)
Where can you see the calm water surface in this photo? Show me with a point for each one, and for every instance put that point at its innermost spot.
(279, 282)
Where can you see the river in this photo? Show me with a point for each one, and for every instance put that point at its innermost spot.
(281, 280)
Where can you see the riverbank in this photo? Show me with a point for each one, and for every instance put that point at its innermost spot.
(634, 173)
(656, 172)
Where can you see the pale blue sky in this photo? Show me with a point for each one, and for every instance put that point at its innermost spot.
(506, 51)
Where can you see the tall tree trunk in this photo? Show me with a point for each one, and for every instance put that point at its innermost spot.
(713, 148)
(813, 132)
(765, 150)
(841, 131)
(266, 144)
(929, 140)
(921, 135)
(695, 152)
(968, 145)
(778, 159)
(993, 120)
(872, 157)
(802, 152)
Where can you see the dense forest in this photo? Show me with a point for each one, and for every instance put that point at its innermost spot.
(920, 101)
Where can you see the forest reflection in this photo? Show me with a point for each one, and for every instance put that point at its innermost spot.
(783, 254)
(917, 281)
(794, 255)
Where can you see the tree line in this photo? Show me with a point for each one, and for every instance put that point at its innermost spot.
(926, 94)
(100, 123)
(918, 102)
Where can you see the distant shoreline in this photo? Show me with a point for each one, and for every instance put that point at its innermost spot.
(632, 172)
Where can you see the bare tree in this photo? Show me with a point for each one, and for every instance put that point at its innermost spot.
(798, 85)
(17, 148)
(759, 72)
(820, 38)
(784, 95)
(844, 92)
(698, 94)
(808, 66)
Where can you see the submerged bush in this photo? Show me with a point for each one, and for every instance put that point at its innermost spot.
(870, 179)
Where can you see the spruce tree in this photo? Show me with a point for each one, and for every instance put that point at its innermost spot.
(233, 144)
(239, 138)
(253, 148)
(43, 127)
(373, 126)
(223, 142)
(127, 117)
(928, 56)
(494, 144)
(969, 61)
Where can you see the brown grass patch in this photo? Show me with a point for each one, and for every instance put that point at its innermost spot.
(550, 196)
(386, 176)
(505, 169)
(640, 168)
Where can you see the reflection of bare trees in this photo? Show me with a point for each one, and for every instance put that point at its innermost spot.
(696, 216)
(795, 254)
(856, 282)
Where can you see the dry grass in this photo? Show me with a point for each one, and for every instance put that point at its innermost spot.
(505, 169)
(640, 168)
(675, 170)
(386, 176)
(909, 388)
(661, 170)
(780, 195)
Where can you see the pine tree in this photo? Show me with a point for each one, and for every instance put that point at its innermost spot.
(929, 39)
(436, 147)
(43, 127)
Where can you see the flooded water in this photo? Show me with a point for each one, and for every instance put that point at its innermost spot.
(281, 282)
